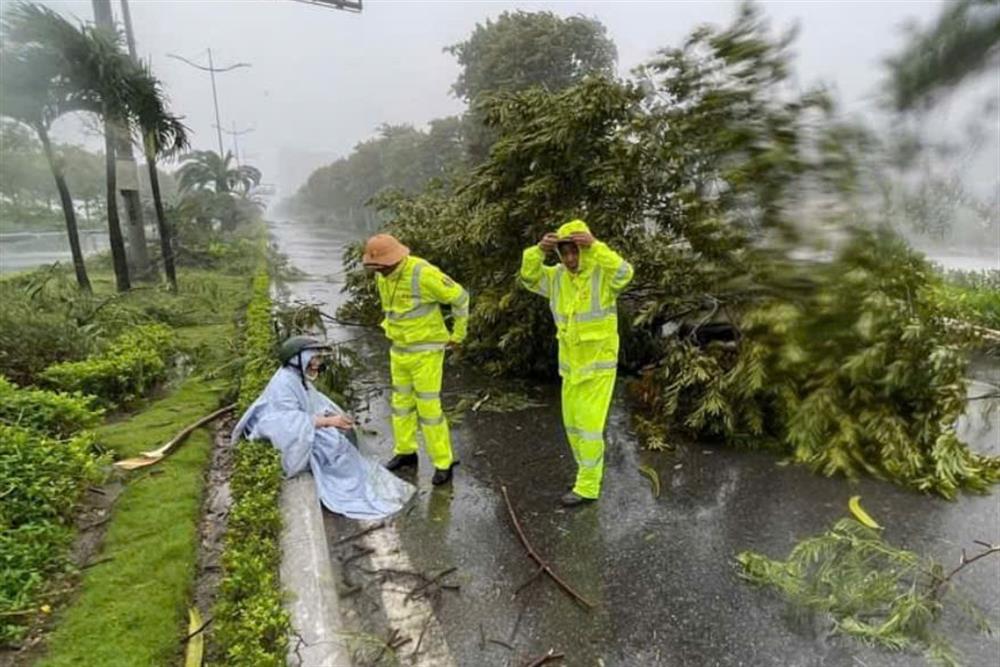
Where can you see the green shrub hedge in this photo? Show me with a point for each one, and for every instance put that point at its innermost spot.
(55, 414)
(251, 626)
(41, 479)
(130, 366)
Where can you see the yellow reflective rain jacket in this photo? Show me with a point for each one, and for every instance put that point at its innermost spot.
(584, 309)
(411, 297)
(583, 304)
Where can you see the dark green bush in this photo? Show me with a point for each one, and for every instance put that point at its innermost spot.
(131, 365)
(42, 479)
(51, 413)
(35, 331)
(251, 626)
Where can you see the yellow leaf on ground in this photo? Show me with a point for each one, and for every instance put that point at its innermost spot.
(196, 642)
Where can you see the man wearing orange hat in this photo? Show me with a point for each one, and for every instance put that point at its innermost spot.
(412, 291)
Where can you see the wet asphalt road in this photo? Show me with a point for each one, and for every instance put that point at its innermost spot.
(660, 570)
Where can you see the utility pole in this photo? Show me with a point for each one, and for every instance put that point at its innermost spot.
(128, 175)
(212, 69)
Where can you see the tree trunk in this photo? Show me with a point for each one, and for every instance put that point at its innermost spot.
(166, 234)
(138, 254)
(68, 211)
(115, 239)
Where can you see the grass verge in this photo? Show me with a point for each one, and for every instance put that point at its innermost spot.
(131, 609)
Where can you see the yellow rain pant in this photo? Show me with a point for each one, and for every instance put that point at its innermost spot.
(585, 404)
(416, 399)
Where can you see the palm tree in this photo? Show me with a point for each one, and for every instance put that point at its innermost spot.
(33, 92)
(163, 134)
(86, 68)
(208, 170)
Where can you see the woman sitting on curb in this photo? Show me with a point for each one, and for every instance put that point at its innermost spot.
(310, 431)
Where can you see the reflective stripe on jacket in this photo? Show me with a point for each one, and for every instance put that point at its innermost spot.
(411, 297)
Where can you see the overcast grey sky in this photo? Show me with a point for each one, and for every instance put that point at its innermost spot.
(323, 79)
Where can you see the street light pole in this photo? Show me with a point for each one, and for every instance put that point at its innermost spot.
(129, 35)
(215, 100)
(211, 69)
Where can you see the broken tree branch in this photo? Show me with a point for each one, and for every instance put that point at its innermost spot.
(156, 455)
(538, 559)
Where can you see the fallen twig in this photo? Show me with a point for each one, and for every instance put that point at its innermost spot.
(200, 629)
(97, 562)
(423, 631)
(500, 642)
(429, 582)
(153, 456)
(542, 659)
(538, 559)
(95, 524)
(517, 623)
(360, 533)
(528, 581)
(361, 553)
(963, 562)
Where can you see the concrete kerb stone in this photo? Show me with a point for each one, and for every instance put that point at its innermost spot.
(307, 577)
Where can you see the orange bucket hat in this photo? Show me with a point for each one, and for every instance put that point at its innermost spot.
(384, 250)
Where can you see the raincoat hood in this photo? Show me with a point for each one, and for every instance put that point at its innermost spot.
(570, 228)
(574, 227)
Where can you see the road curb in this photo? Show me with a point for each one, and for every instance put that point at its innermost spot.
(307, 577)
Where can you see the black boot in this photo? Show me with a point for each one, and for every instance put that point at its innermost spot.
(442, 476)
(401, 461)
(571, 499)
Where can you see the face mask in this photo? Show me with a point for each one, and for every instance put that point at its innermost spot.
(312, 374)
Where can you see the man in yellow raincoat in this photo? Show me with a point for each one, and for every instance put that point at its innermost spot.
(412, 291)
(582, 291)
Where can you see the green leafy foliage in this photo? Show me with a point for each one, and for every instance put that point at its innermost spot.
(858, 373)
(45, 319)
(129, 368)
(57, 415)
(42, 478)
(870, 589)
(521, 50)
(259, 347)
(970, 296)
(962, 42)
(251, 626)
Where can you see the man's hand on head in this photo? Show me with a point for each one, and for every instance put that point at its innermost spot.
(548, 242)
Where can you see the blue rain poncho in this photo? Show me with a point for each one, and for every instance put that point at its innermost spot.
(347, 482)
